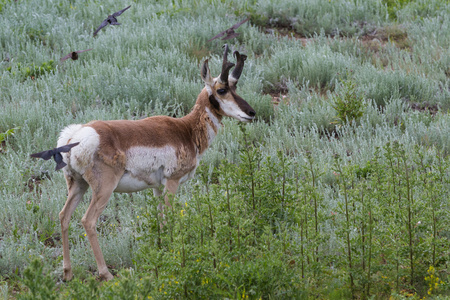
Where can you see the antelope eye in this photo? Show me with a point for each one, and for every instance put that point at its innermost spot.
(221, 91)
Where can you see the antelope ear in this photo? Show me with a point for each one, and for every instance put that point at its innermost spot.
(206, 75)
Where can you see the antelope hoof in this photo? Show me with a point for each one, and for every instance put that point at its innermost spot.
(106, 276)
(68, 275)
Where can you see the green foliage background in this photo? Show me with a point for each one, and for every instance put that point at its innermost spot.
(321, 197)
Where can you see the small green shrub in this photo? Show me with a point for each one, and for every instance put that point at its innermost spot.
(39, 286)
(348, 103)
(3, 3)
(34, 71)
(8, 133)
(393, 6)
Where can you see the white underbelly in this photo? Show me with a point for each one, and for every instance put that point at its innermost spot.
(151, 168)
(128, 183)
(146, 168)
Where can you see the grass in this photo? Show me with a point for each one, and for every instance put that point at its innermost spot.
(290, 206)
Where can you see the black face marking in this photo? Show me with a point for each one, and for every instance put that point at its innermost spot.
(214, 102)
(243, 105)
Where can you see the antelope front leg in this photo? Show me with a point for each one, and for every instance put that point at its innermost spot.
(170, 188)
(157, 192)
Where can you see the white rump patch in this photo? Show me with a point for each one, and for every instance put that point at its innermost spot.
(82, 155)
(67, 133)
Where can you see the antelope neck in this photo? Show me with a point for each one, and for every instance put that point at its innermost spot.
(205, 120)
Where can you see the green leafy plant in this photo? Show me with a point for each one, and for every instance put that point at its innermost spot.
(395, 5)
(34, 71)
(8, 133)
(218, 242)
(40, 285)
(348, 103)
(432, 280)
(3, 3)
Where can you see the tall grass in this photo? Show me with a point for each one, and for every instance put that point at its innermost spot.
(292, 216)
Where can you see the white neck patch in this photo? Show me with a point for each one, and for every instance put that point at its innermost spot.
(217, 124)
(213, 118)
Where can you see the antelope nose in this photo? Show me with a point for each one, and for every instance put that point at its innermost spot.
(251, 113)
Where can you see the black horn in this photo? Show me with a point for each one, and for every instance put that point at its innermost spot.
(240, 59)
(226, 66)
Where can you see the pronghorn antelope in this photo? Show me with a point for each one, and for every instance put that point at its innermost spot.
(158, 152)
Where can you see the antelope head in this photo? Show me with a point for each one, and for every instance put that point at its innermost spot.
(222, 89)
